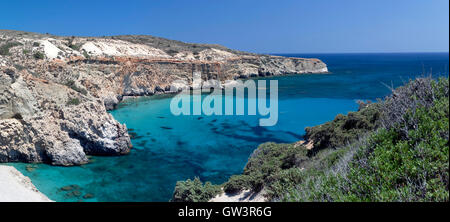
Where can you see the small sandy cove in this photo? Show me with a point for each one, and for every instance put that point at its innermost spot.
(15, 187)
(243, 196)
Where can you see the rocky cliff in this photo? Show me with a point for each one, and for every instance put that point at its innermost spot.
(55, 91)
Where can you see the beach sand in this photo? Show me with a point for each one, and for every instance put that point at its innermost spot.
(15, 187)
(243, 196)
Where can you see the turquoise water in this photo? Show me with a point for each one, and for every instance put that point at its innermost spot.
(169, 148)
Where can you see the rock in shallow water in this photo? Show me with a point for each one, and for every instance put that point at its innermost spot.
(88, 196)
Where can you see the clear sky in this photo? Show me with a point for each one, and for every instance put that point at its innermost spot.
(277, 26)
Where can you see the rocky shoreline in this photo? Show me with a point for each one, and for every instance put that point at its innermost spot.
(55, 91)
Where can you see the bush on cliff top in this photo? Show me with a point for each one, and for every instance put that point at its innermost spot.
(267, 160)
(410, 161)
(344, 129)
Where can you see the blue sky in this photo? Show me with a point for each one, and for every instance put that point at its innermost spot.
(283, 26)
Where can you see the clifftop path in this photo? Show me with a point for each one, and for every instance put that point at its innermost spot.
(55, 91)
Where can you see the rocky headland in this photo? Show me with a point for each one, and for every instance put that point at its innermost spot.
(55, 91)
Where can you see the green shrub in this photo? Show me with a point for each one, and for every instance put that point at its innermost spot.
(284, 181)
(39, 55)
(413, 169)
(71, 45)
(19, 67)
(172, 52)
(237, 183)
(344, 129)
(422, 92)
(36, 44)
(306, 180)
(86, 55)
(318, 187)
(73, 101)
(4, 49)
(75, 46)
(194, 191)
(71, 84)
(267, 160)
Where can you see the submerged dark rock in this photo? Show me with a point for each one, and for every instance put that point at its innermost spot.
(133, 135)
(70, 187)
(88, 196)
(180, 143)
(30, 168)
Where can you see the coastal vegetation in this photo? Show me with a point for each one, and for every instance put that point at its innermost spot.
(71, 84)
(39, 55)
(194, 191)
(73, 101)
(394, 150)
(4, 48)
(72, 45)
(344, 128)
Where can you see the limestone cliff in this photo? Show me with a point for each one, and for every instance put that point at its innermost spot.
(54, 91)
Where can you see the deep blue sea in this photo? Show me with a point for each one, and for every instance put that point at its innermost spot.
(170, 148)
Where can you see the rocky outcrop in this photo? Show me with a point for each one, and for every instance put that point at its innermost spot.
(55, 91)
(47, 122)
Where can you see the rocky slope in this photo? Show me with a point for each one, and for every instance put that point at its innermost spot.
(55, 91)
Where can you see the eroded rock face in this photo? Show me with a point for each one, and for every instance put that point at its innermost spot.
(39, 124)
(103, 136)
(54, 109)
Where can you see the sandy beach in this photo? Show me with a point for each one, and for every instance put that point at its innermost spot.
(15, 187)
(243, 196)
